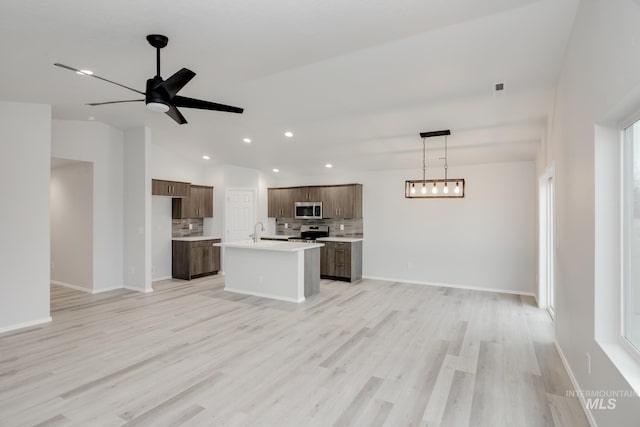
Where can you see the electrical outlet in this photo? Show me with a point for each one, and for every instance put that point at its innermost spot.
(409, 265)
(286, 225)
(190, 226)
(341, 227)
(588, 363)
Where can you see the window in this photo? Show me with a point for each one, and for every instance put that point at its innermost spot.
(631, 235)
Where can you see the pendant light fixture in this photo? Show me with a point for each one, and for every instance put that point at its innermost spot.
(434, 188)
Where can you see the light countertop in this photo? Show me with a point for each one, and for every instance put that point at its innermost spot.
(340, 239)
(270, 245)
(194, 238)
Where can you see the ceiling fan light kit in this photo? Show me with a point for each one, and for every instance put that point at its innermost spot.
(434, 188)
(162, 95)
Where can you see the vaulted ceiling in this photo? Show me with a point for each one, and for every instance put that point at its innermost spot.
(355, 81)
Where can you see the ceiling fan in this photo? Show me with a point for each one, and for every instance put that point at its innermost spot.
(161, 95)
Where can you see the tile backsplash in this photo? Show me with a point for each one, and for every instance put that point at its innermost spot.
(180, 227)
(352, 227)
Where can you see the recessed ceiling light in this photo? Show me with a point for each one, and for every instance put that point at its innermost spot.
(206, 157)
(288, 134)
(91, 118)
(85, 72)
(276, 170)
(328, 165)
(247, 140)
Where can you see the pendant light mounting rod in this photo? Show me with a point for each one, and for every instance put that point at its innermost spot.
(435, 133)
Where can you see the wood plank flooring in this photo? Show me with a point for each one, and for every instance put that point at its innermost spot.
(372, 354)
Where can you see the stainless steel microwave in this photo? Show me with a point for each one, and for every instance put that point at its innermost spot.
(308, 210)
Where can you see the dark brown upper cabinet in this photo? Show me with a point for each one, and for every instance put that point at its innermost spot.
(307, 194)
(198, 205)
(281, 202)
(161, 187)
(338, 201)
(341, 201)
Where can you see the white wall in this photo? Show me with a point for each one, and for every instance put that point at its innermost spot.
(229, 177)
(137, 250)
(485, 240)
(598, 86)
(169, 165)
(160, 238)
(101, 145)
(25, 132)
(72, 225)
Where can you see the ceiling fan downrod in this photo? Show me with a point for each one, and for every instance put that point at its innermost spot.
(158, 41)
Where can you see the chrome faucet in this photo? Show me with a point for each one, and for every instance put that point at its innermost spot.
(255, 231)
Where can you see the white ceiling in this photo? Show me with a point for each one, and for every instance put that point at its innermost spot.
(355, 81)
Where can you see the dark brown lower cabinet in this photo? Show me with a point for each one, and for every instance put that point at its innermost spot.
(341, 261)
(192, 259)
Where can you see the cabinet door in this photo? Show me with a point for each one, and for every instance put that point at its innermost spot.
(307, 194)
(208, 202)
(161, 187)
(272, 201)
(196, 201)
(342, 201)
(196, 260)
(216, 257)
(326, 259)
(196, 204)
(208, 263)
(280, 202)
(342, 260)
(181, 189)
(334, 199)
(201, 258)
(287, 202)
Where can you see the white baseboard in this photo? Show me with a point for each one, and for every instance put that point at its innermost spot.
(114, 288)
(158, 279)
(576, 386)
(144, 291)
(70, 286)
(262, 295)
(25, 324)
(80, 288)
(452, 285)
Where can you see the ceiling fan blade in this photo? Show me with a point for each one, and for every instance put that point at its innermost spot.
(176, 115)
(97, 77)
(176, 82)
(181, 101)
(93, 104)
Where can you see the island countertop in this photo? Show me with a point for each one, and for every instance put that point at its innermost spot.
(270, 245)
(340, 239)
(194, 238)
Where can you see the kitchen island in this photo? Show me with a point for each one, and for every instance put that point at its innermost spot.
(284, 271)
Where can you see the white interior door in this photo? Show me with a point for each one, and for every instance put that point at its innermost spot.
(240, 214)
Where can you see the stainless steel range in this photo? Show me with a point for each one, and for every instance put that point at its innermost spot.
(309, 233)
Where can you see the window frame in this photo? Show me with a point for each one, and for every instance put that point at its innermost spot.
(626, 169)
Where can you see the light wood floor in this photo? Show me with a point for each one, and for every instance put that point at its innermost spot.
(371, 354)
